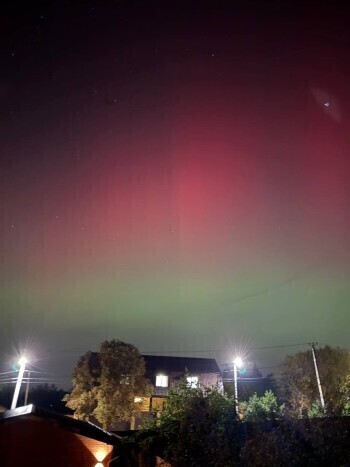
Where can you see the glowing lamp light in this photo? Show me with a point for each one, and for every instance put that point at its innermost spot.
(22, 361)
(100, 455)
(238, 362)
(99, 464)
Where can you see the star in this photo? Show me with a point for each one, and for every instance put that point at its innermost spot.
(111, 101)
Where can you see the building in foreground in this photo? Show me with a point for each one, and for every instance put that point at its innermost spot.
(31, 436)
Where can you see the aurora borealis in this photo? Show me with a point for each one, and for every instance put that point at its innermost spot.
(174, 176)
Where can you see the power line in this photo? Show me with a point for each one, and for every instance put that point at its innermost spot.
(67, 351)
(189, 351)
(268, 367)
(146, 351)
(27, 382)
(295, 277)
(180, 351)
(29, 379)
(279, 346)
(248, 380)
(223, 350)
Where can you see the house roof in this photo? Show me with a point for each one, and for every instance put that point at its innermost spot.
(158, 364)
(71, 424)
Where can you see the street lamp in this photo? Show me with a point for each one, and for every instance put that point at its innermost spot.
(237, 363)
(22, 366)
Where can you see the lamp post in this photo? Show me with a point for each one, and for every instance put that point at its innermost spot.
(237, 363)
(22, 362)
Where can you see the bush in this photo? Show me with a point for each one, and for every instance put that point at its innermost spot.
(198, 427)
(259, 409)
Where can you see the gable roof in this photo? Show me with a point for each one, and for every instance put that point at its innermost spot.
(159, 364)
(65, 422)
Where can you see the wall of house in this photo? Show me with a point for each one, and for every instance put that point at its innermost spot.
(206, 379)
(209, 379)
(157, 403)
(40, 442)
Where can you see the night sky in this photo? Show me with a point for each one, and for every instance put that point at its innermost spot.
(175, 175)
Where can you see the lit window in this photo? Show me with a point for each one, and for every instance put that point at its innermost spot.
(162, 381)
(192, 381)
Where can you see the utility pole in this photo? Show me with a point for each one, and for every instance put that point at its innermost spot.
(27, 390)
(312, 345)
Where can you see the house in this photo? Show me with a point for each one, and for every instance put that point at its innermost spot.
(33, 436)
(164, 371)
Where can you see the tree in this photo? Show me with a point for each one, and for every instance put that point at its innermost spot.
(298, 385)
(46, 396)
(259, 409)
(197, 427)
(105, 384)
(345, 395)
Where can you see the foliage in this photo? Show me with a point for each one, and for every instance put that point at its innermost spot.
(298, 442)
(298, 385)
(262, 408)
(46, 396)
(197, 427)
(345, 395)
(264, 450)
(105, 384)
(247, 387)
(201, 429)
(316, 410)
(6, 395)
(346, 409)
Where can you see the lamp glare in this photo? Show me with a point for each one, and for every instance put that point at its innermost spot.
(238, 362)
